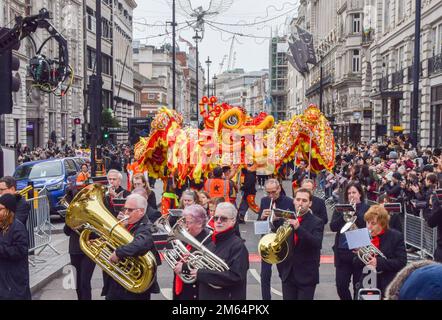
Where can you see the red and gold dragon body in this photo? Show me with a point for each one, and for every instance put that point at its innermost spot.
(231, 137)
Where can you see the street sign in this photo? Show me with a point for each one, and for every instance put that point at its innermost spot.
(77, 121)
(117, 130)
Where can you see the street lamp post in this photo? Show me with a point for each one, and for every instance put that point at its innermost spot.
(197, 38)
(214, 84)
(208, 62)
(416, 74)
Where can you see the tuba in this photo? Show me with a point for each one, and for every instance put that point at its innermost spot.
(87, 212)
(274, 247)
(200, 258)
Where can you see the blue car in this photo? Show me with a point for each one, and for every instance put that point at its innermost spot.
(58, 176)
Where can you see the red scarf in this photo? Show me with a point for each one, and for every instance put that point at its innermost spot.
(215, 233)
(178, 281)
(130, 226)
(376, 240)
(296, 232)
(212, 224)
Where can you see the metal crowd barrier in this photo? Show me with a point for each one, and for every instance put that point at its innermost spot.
(39, 225)
(419, 235)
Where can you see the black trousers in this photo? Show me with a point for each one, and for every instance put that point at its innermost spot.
(85, 268)
(345, 272)
(266, 275)
(291, 291)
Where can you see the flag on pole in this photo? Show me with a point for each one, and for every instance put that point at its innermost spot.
(307, 38)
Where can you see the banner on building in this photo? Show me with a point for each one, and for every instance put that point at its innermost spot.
(307, 38)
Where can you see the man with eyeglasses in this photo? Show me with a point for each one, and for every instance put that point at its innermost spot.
(115, 190)
(273, 200)
(299, 272)
(230, 284)
(139, 226)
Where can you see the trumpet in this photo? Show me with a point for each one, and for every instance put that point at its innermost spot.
(349, 218)
(365, 254)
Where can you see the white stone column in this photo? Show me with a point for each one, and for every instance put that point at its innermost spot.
(425, 88)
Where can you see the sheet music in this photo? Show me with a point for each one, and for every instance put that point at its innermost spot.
(262, 227)
(358, 238)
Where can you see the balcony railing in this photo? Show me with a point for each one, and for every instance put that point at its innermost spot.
(435, 64)
(397, 78)
(383, 84)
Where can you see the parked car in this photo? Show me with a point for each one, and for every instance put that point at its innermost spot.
(57, 176)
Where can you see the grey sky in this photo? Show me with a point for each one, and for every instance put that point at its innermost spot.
(251, 54)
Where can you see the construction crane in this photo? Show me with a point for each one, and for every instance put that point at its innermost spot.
(229, 66)
(221, 65)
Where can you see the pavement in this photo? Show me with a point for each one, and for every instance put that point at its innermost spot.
(52, 277)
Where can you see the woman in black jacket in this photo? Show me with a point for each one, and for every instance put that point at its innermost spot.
(195, 219)
(343, 255)
(388, 241)
(230, 284)
(14, 265)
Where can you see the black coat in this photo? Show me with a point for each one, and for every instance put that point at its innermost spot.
(434, 220)
(231, 284)
(319, 209)
(22, 210)
(190, 290)
(152, 200)
(337, 223)
(14, 265)
(283, 203)
(141, 244)
(249, 186)
(392, 245)
(302, 264)
(74, 240)
(108, 204)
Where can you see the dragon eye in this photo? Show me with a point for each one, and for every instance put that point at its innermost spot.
(232, 120)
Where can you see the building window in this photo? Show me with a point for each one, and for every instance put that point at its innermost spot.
(386, 15)
(64, 125)
(400, 9)
(400, 58)
(106, 29)
(437, 40)
(91, 20)
(106, 64)
(385, 65)
(90, 58)
(356, 23)
(51, 124)
(356, 61)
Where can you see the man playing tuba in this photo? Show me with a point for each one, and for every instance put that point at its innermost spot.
(139, 226)
(299, 272)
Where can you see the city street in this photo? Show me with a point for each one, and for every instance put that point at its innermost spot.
(324, 291)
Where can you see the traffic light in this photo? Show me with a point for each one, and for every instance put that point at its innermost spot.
(105, 135)
(9, 82)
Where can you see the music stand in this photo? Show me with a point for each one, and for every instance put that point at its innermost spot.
(393, 207)
(341, 207)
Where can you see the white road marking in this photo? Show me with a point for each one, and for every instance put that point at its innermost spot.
(257, 277)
